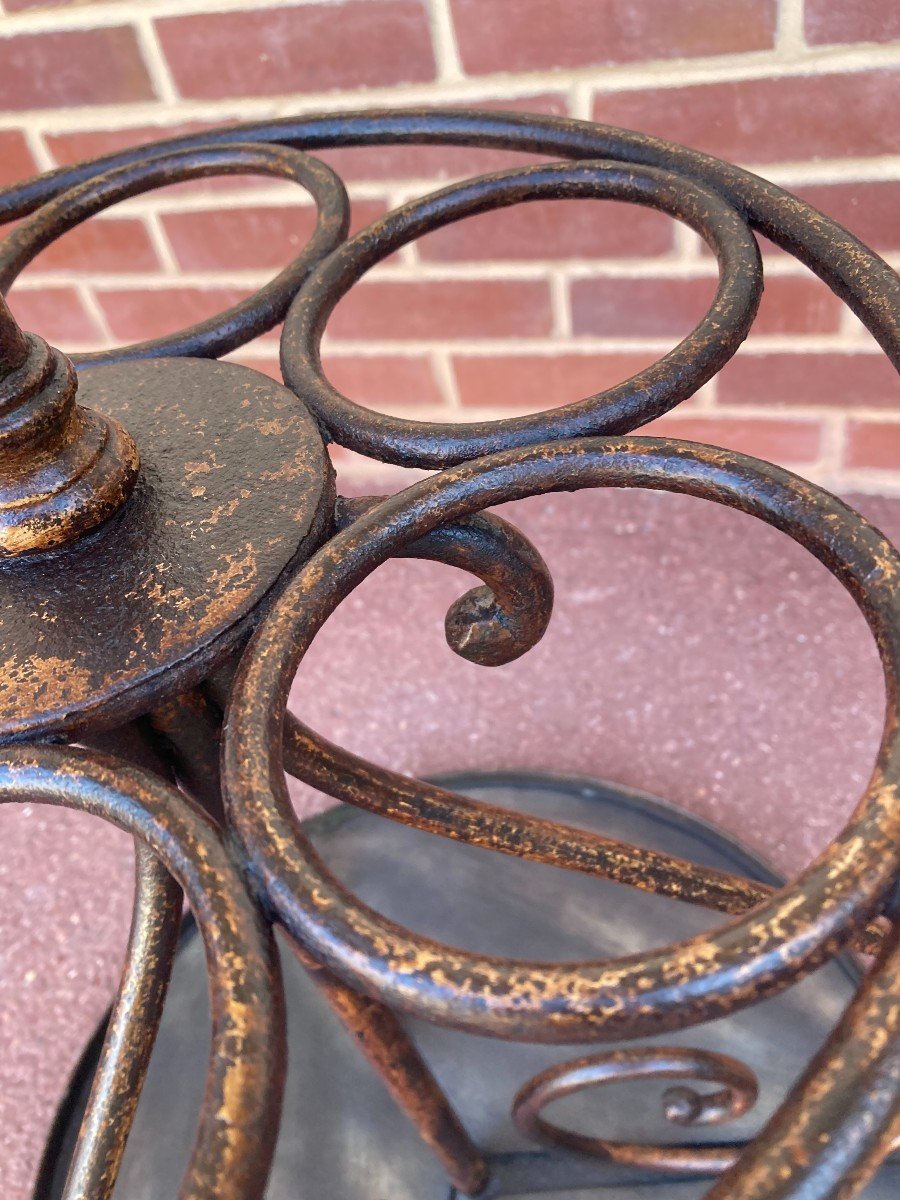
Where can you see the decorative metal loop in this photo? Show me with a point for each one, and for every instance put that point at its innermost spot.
(859, 276)
(249, 317)
(131, 1030)
(620, 409)
(682, 1105)
(497, 623)
(239, 1120)
(708, 976)
(492, 625)
(841, 1120)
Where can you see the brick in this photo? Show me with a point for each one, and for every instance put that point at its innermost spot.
(62, 68)
(871, 210)
(16, 161)
(780, 440)
(439, 309)
(136, 314)
(532, 382)
(266, 366)
(316, 47)
(873, 444)
(862, 21)
(797, 304)
(358, 475)
(835, 380)
(386, 382)
(74, 146)
(529, 35)
(21, 5)
(664, 307)
(759, 120)
(868, 209)
(249, 238)
(56, 314)
(113, 245)
(544, 229)
(269, 365)
(389, 383)
(442, 163)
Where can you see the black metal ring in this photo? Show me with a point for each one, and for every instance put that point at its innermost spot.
(753, 956)
(619, 409)
(859, 276)
(248, 318)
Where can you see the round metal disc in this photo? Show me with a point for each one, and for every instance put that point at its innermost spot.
(341, 1135)
(235, 487)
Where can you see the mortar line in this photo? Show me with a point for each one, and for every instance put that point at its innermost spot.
(790, 36)
(419, 270)
(684, 72)
(445, 377)
(560, 303)
(162, 246)
(154, 59)
(98, 316)
(443, 40)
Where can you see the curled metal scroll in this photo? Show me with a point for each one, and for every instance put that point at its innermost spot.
(843, 1117)
(249, 317)
(682, 1104)
(652, 392)
(242, 1101)
(754, 956)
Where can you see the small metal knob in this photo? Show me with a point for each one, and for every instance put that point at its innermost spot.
(64, 468)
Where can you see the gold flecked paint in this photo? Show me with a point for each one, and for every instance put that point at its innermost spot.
(134, 564)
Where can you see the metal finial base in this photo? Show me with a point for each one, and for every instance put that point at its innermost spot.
(235, 488)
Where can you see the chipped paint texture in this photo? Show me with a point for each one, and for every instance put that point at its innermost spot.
(149, 584)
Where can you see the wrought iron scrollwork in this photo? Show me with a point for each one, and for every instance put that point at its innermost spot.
(682, 1105)
(243, 321)
(256, 869)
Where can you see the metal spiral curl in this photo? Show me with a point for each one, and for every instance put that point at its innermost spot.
(843, 1116)
(682, 1105)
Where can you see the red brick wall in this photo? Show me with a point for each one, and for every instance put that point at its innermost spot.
(502, 314)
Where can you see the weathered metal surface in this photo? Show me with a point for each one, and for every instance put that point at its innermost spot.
(244, 320)
(619, 409)
(341, 1136)
(131, 1032)
(145, 594)
(64, 469)
(857, 274)
(681, 1105)
(751, 957)
(186, 733)
(843, 1118)
(235, 488)
(236, 1133)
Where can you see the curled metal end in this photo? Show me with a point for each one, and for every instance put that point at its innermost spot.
(683, 1105)
(479, 629)
(504, 618)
